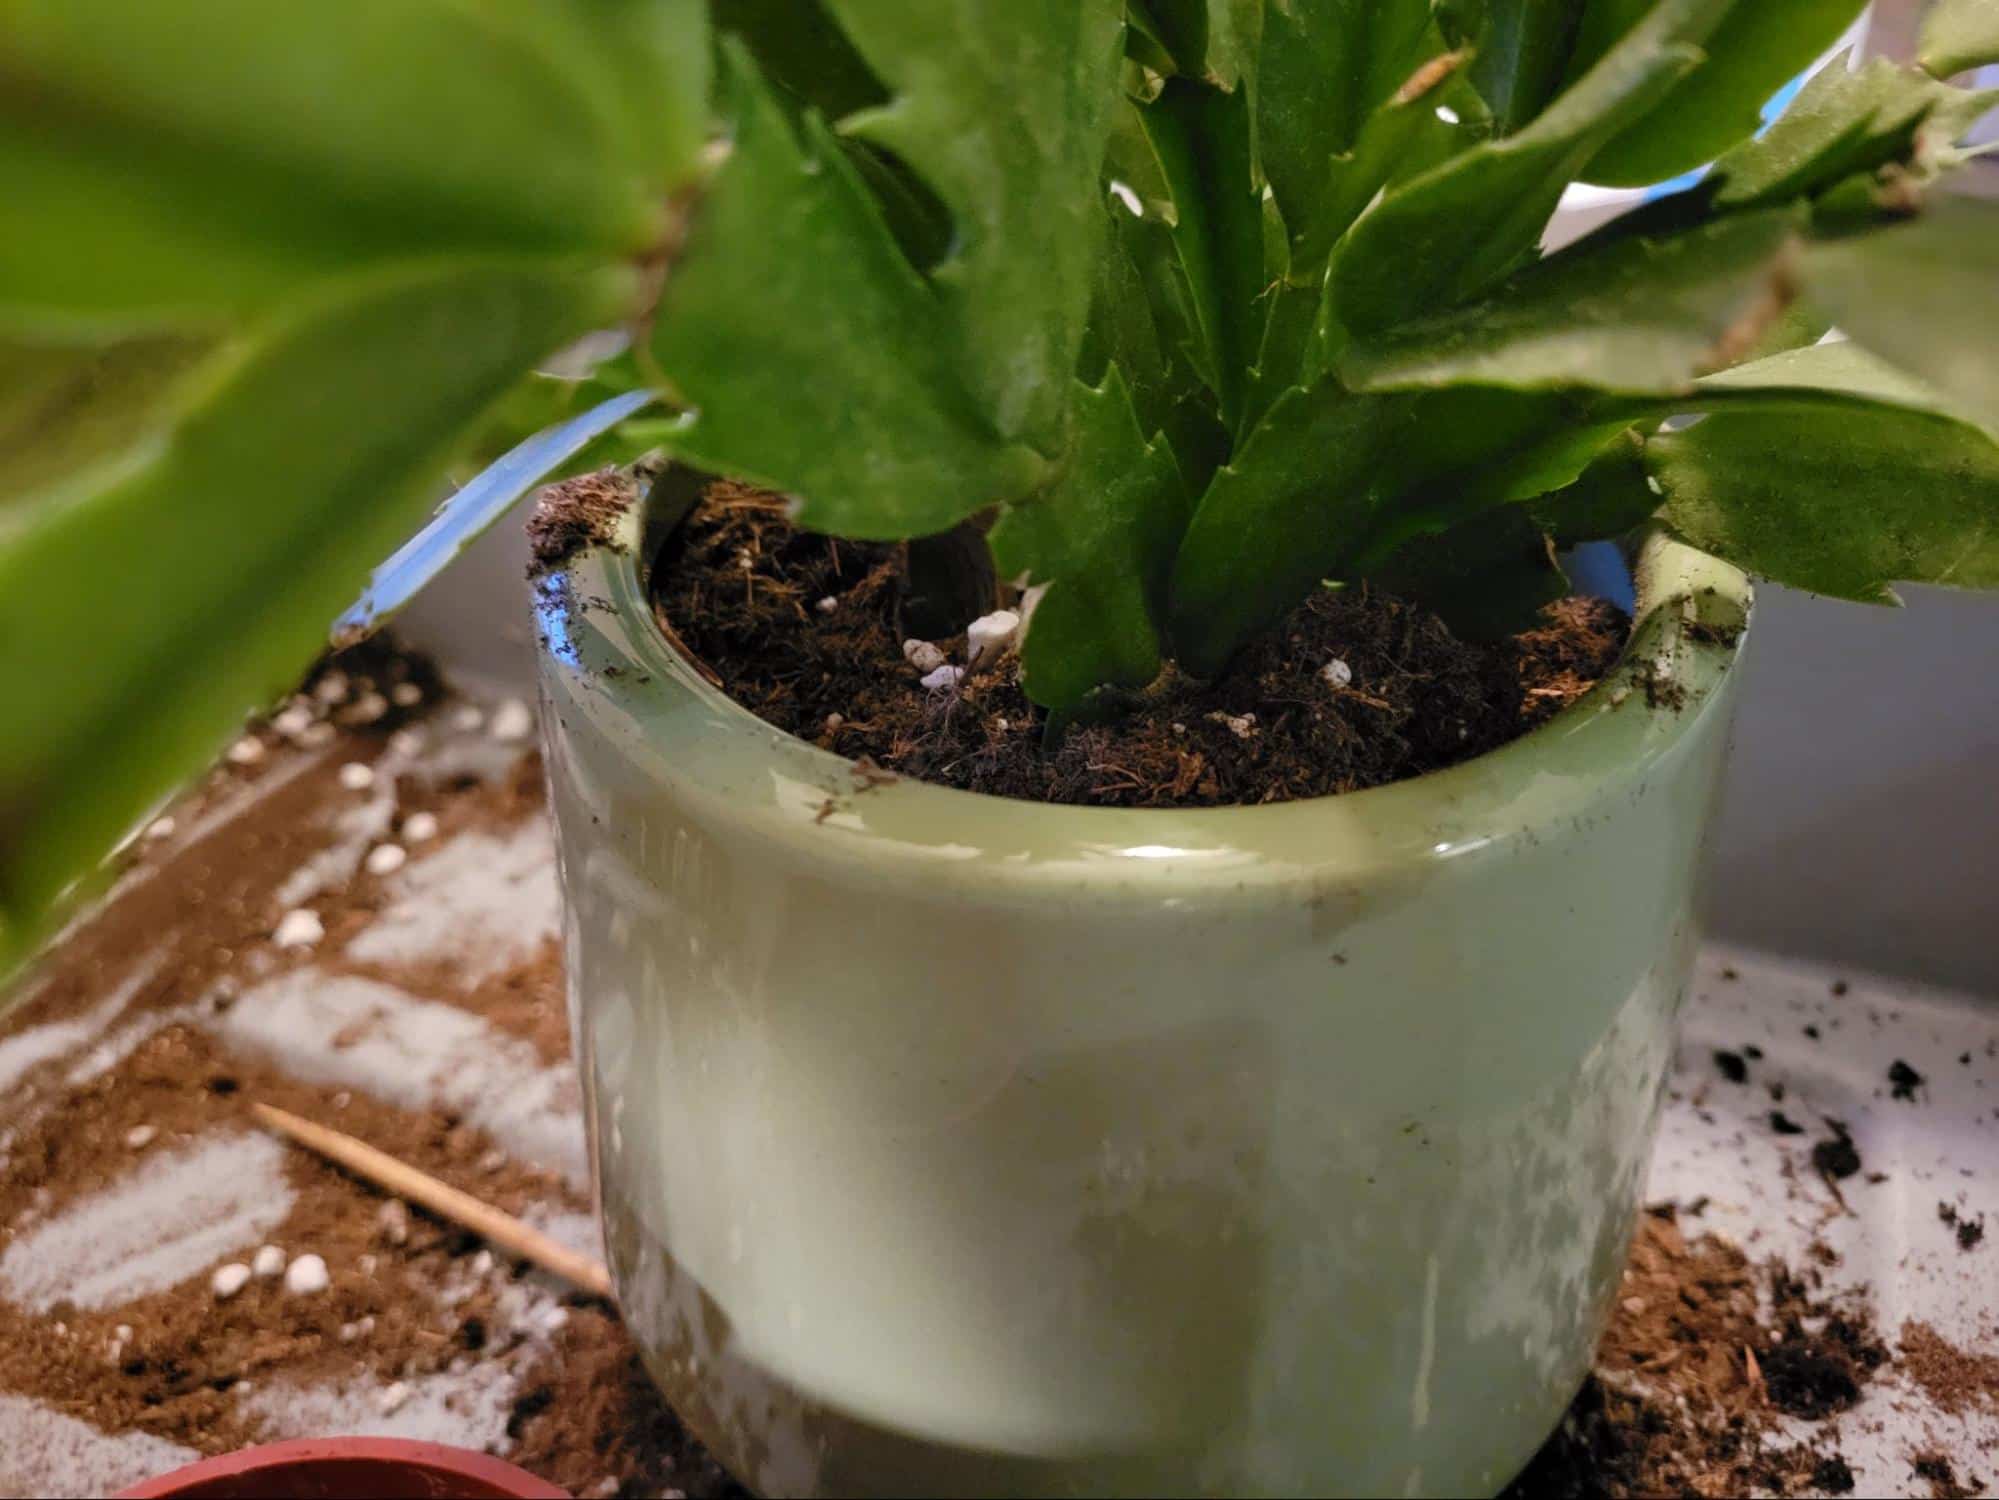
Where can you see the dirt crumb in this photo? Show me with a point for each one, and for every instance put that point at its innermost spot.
(1355, 689)
(1836, 1157)
(578, 513)
(1903, 1081)
(1942, 1477)
(1955, 1379)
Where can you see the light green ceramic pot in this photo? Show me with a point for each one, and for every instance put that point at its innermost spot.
(957, 1145)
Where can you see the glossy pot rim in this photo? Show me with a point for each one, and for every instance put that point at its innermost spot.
(350, 1460)
(610, 673)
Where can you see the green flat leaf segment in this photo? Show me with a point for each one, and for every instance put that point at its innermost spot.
(802, 49)
(1138, 320)
(1214, 40)
(1834, 373)
(1424, 124)
(655, 55)
(1845, 122)
(1958, 34)
(1003, 108)
(1604, 23)
(1325, 67)
(1633, 315)
(1202, 138)
(145, 616)
(1799, 391)
(1102, 538)
(1342, 485)
(1840, 501)
(1445, 236)
(814, 359)
(1609, 497)
(1922, 294)
(65, 408)
(1484, 577)
(1520, 54)
(1330, 478)
(1274, 521)
(1758, 47)
(429, 126)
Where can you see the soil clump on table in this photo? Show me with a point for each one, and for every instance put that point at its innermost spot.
(1355, 689)
(1710, 1363)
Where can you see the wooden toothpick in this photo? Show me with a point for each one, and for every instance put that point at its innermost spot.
(404, 1180)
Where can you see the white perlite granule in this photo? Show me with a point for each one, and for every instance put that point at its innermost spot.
(171, 1217)
(415, 1053)
(307, 1275)
(1242, 726)
(512, 720)
(991, 634)
(43, 1452)
(292, 721)
(298, 929)
(487, 901)
(925, 656)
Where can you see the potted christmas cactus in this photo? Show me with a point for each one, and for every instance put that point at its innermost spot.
(1059, 452)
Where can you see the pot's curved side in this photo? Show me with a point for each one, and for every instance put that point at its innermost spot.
(956, 1145)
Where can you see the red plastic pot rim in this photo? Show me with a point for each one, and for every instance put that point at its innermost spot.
(310, 1468)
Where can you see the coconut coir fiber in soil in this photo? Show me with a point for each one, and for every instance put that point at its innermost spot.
(744, 593)
(1706, 1358)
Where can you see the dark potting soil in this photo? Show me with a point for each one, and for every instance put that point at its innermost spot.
(808, 633)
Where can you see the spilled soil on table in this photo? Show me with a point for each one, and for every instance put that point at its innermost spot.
(131, 1168)
(1712, 1366)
